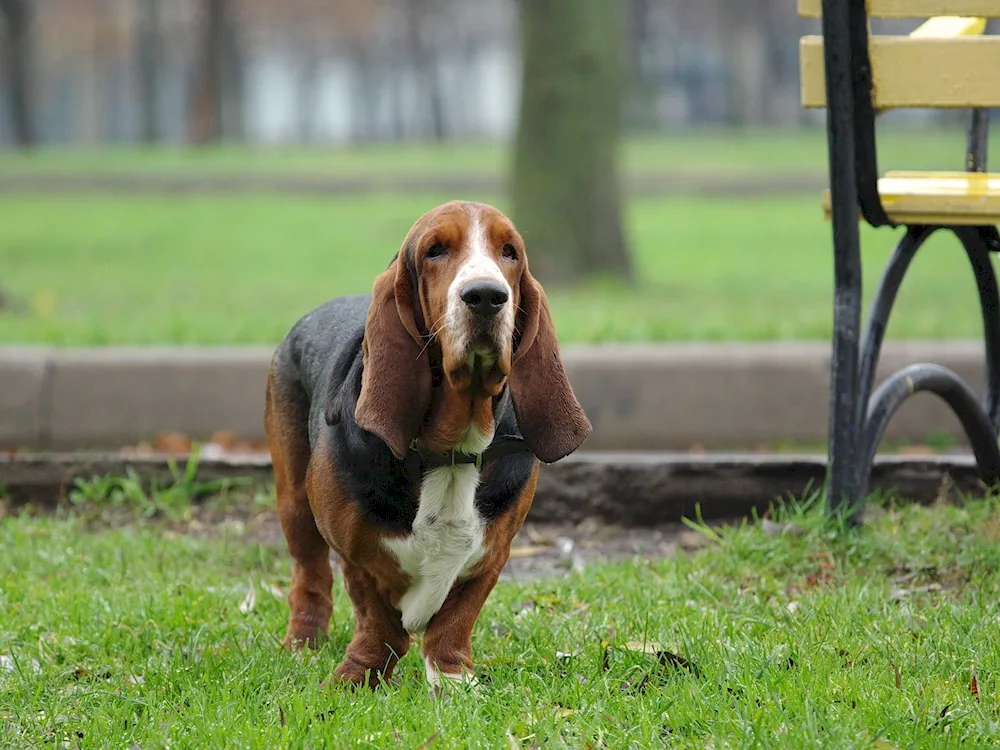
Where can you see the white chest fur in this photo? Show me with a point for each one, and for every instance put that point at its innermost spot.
(447, 540)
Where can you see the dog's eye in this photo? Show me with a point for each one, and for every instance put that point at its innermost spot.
(436, 250)
(509, 252)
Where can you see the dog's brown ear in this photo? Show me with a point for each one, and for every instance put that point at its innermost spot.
(396, 379)
(548, 414)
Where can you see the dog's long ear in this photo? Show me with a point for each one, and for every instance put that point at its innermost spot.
(548, 414)
(396, 379)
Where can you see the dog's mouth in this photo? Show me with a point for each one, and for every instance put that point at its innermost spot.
(483, 369)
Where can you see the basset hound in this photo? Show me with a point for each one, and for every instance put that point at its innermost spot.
(406, 429)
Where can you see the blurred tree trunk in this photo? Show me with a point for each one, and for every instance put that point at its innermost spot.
(419, 14)
(217, 97)
(640, 102)
(231, 67)
(743, 24)
(567, 196)
(16, 15)
(149, 49)
(364, 92)
(307, 91)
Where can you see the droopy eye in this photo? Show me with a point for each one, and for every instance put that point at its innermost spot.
(509, 252)
(436, 250)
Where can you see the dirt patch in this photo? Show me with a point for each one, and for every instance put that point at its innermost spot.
(552, 550)
(540, 550)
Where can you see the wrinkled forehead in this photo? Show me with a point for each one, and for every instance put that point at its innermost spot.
(460, 225)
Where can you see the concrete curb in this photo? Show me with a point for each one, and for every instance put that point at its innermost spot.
(626, 489)
(639, 397)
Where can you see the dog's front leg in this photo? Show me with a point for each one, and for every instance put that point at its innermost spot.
(379, 640)
(447, 642)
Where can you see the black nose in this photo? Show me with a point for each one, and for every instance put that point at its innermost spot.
(484, 297)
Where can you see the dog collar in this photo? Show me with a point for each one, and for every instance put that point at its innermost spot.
(502, 445)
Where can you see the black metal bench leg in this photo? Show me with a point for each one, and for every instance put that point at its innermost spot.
(844, 404)
(885, 298)
(941, 381)
(843, 428)
(874, 334)
(980, 421)
(978, 243)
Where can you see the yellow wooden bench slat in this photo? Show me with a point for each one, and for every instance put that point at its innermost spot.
(949, 27)
(916, 72)
(914, 8)
(960, 198)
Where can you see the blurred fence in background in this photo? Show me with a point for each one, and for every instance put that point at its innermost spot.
(348, 71)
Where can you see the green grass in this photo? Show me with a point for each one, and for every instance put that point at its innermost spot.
(241, 269)
(714, 152)
(139, 634)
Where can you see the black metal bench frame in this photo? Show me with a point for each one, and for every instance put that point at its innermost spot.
(859, 416)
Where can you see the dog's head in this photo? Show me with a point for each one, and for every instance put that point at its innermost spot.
(455, 318)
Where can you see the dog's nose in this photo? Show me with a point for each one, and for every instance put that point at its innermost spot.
(484, 298)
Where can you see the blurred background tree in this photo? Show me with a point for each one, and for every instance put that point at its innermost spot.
(89, 72)
(15, 59)
(217, 106)
(575, 116)
(566, 182)
(148, 54)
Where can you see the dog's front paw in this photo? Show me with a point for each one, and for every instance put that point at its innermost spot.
(443, 679)
(351, 672)
(302, 635)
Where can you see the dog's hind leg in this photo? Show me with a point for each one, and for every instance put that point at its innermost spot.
(286, 419)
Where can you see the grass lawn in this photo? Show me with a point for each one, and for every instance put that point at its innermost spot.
(715, 152)
(136, 635)
(241, 269)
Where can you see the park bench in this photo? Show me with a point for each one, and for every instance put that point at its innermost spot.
(948, 62)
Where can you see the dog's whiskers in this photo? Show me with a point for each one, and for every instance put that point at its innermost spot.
(431, 337)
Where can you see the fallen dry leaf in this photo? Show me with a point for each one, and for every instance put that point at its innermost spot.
(916, 450)
(250, 600)
(429, 741)
(902, 593)
(211, 451)
(773, 528)
(274, 591)
(565, 545)
(526, 551)
(644, 647)
(172, 442)
(666, 658)
(225, 439)
(538, 538)
(899, 677)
